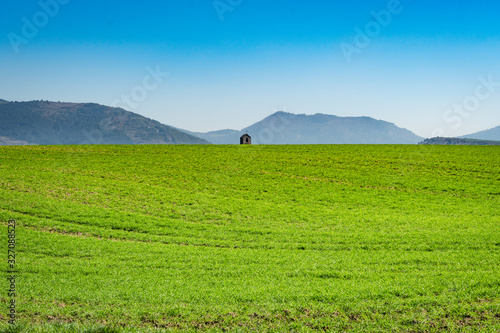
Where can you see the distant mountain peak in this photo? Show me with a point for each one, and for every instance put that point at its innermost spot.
(282, 114)
(288, 128)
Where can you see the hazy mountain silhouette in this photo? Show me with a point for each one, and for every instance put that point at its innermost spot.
(54, 123)
(491, 134)
(287, 128)
(48, 123)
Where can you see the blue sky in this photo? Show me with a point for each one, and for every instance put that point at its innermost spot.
(430, 66)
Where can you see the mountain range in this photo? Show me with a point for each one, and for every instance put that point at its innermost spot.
(492, 134)
(287, 128)
(54, 123)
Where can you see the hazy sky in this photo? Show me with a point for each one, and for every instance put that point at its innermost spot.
(430, 66)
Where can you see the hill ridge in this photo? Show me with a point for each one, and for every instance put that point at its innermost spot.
(62, 123)
(489, 134)
(458, 141)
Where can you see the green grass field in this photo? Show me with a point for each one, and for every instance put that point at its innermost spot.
(253, 238)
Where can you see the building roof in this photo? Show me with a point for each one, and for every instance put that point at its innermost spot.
(246, 135)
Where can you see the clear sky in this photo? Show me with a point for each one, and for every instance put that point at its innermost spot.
(430, 66)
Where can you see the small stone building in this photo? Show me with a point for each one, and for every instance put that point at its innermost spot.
(245, 139)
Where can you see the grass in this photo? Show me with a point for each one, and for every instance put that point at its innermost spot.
(253, 238)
